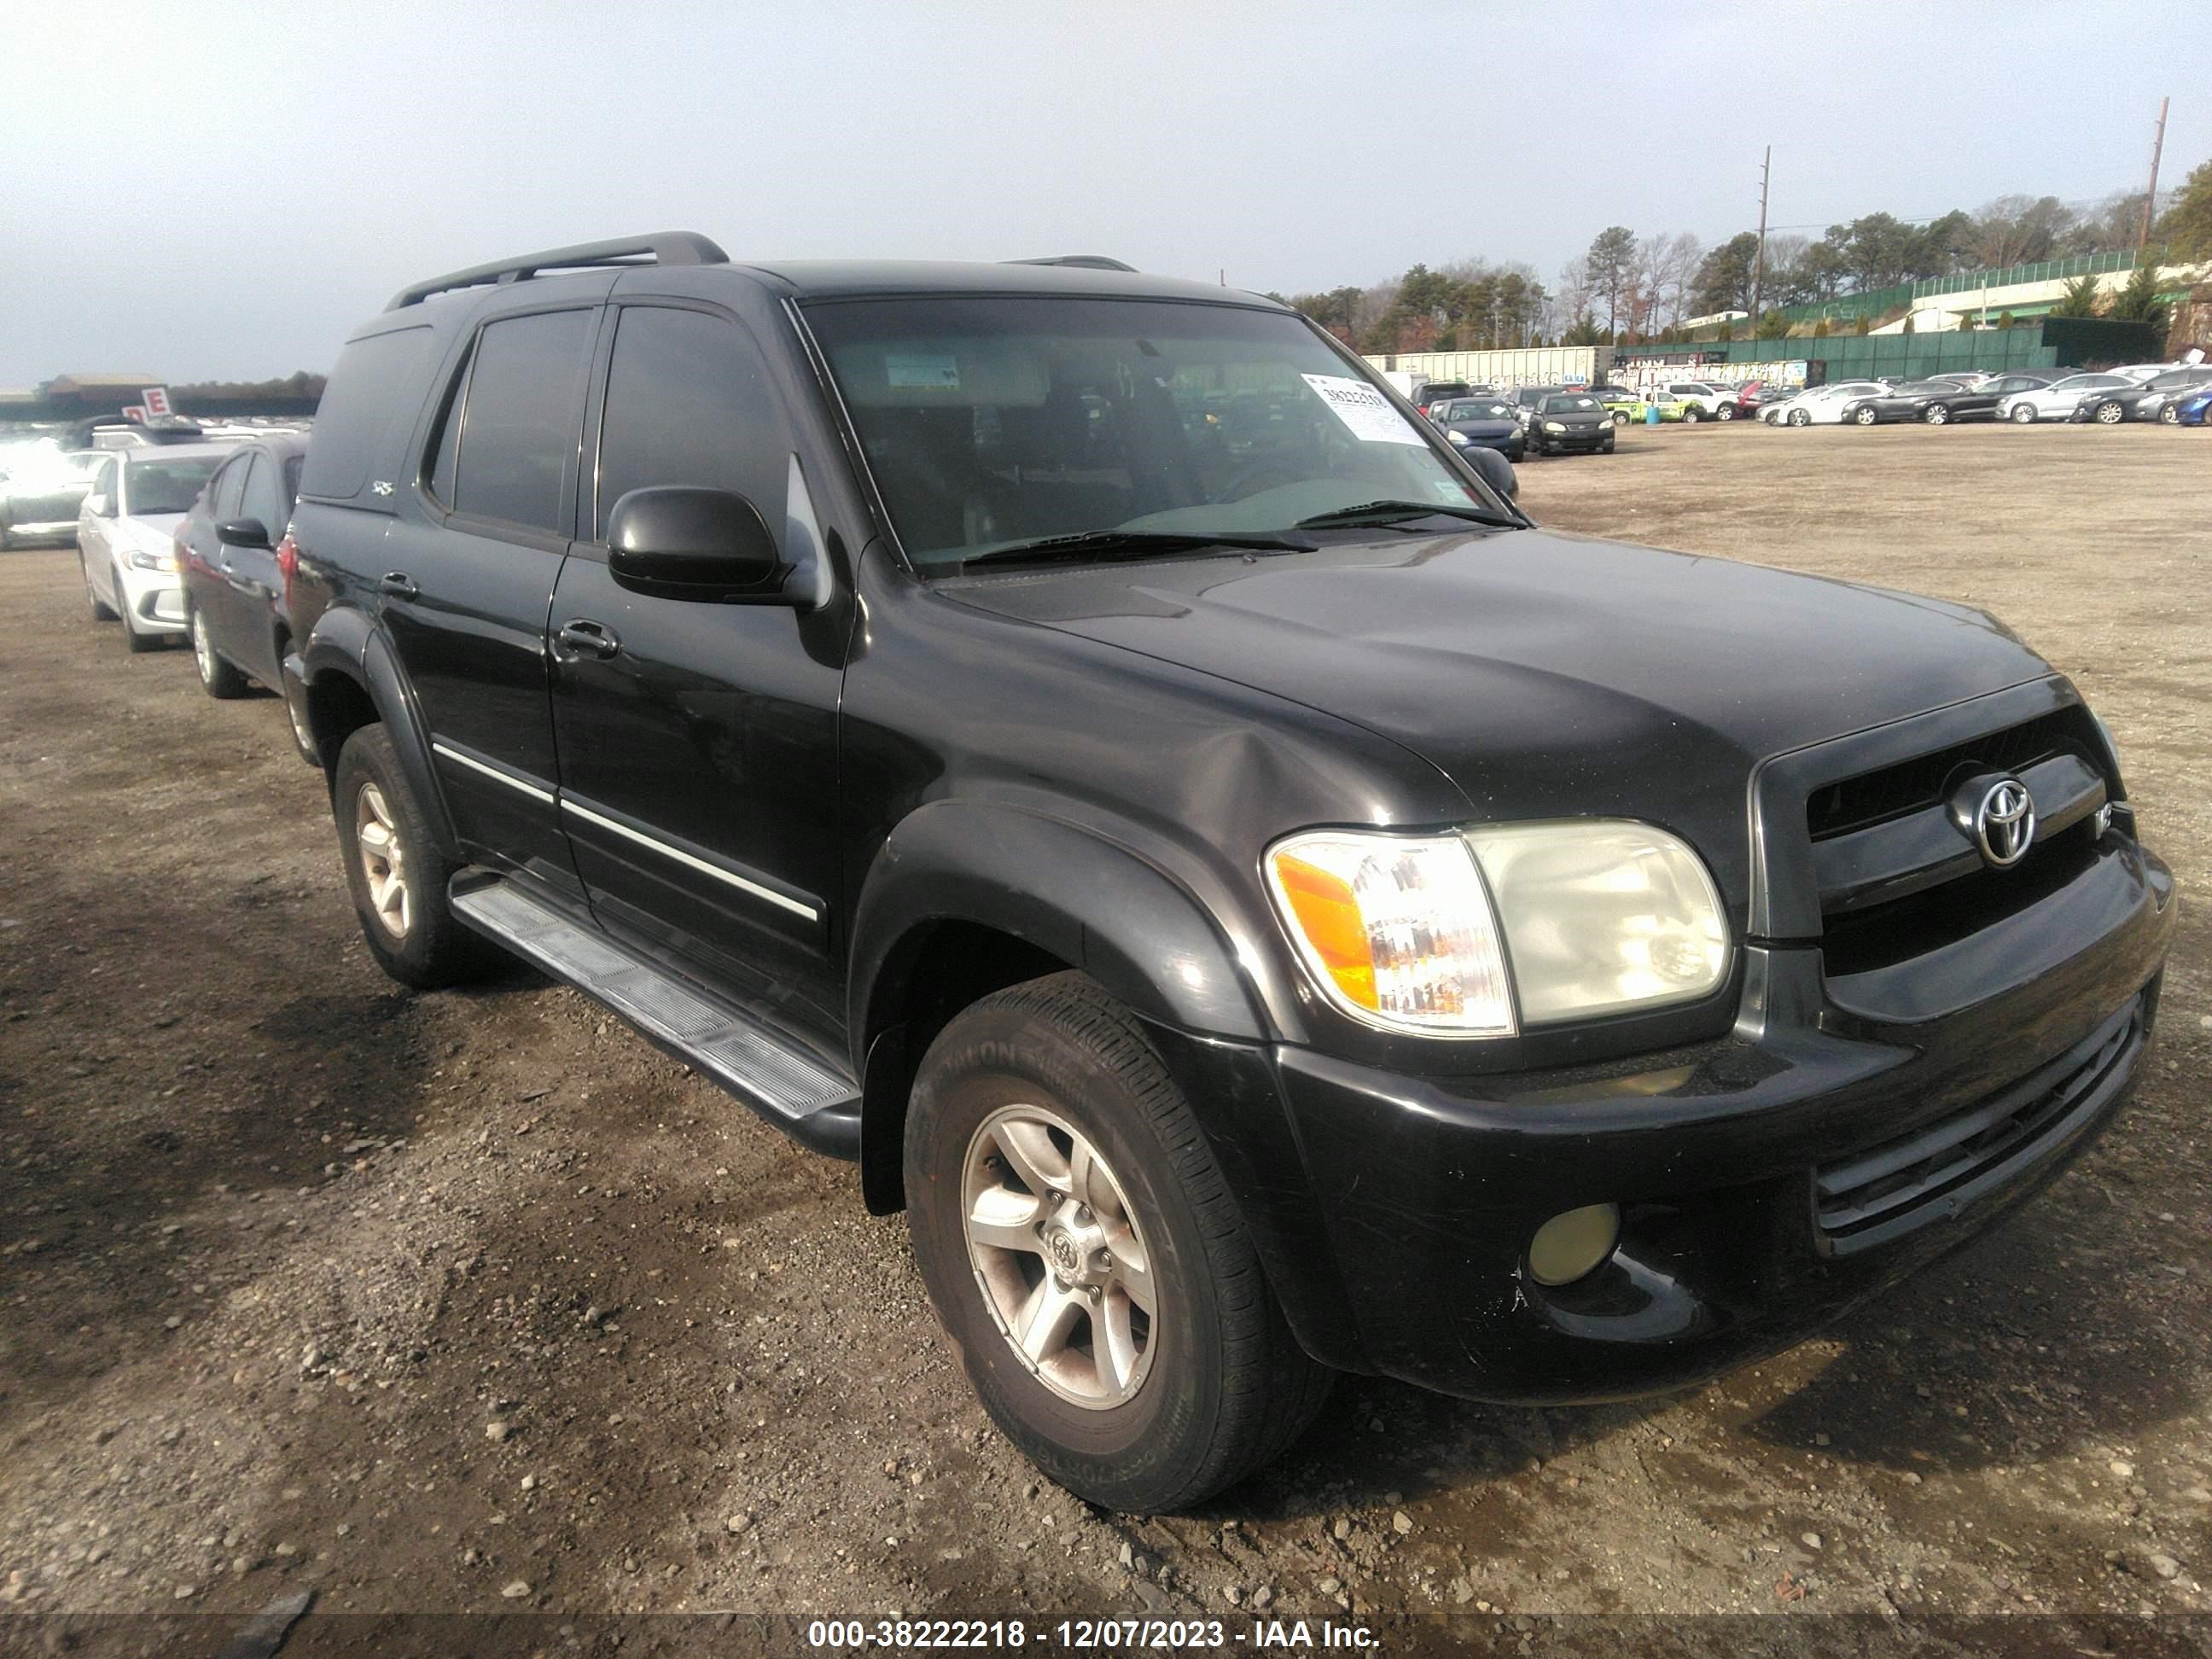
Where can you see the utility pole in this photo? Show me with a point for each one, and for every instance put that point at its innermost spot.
(1759, 268)
(2151, 197)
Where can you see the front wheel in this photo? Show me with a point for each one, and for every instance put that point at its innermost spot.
(1725, 412)
(1865, 417)
(1937, 414)
(1691, 414)
(396, 872)
(2023, 414)
(2110, 414)
(2170, 415)
(1800, 417)
(1082, 1247)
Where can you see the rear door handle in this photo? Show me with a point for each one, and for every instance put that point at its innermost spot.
(588, 639)
(399, 584)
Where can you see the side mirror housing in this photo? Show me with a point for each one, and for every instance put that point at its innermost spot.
(242, 533)
(675, 542)
(99, 506)
(1497, 471)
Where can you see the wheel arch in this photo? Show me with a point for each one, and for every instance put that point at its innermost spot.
(350, 678)
(965, 898)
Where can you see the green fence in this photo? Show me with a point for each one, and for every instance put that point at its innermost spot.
(2050, 342)
(1874, 302)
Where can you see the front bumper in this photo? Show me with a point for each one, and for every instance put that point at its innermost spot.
(1571, 443)
(1758, 1177)
(155, 597)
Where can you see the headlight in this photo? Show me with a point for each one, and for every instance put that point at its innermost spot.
(1602, 916)
(1459, 438)
(1598, 916)
(142, 560)
(1555, 426)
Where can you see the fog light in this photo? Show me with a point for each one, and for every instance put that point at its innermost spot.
(1569, 1245)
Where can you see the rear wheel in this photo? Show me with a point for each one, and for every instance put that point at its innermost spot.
(1691, 414)
(396, 872)
(2109, 413)
(2023, 414)
(218, 679)
(1866, 418)
(2169, 415)
(1800, 417)
(1084, 1252)
(1725, 412)
(1620, 417)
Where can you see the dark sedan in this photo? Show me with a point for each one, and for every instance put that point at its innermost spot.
(1938, 403)
(231, 552)
(1570, 423)
(1481, 423)
(2158, 398)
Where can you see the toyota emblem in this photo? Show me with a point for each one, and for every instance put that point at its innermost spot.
(2004, 824)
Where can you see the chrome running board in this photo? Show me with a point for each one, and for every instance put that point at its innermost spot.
(801, 1093)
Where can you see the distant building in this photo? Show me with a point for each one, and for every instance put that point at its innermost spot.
(96, 393)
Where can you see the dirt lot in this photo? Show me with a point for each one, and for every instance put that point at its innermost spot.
(471, 1301)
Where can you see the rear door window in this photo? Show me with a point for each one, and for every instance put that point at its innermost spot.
(370, 397)
(265, 497)
(522, 419)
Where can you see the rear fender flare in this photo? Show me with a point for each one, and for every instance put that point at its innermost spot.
(348, 644)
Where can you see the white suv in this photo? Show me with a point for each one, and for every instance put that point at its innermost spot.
(1701, 400)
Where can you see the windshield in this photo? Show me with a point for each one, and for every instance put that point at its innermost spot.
(1483, 409)
(166, 486)
(1577, 403)
(992, 423)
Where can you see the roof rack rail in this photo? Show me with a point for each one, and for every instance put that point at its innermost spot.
(667, 247)
(1088, 261)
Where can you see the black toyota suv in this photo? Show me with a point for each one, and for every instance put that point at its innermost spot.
(1080, 745)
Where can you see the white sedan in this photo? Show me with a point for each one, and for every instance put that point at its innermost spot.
(126, 536)
(2056, 402)
(1822, 405)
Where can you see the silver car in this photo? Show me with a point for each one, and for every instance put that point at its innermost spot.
(126, 535)
(2056, 402)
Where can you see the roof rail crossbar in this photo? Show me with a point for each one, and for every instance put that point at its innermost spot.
(667, 247)
(1088, 261)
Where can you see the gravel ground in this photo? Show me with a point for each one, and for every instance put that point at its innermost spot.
(470, 1302)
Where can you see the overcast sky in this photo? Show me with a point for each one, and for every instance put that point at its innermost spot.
(208, 190)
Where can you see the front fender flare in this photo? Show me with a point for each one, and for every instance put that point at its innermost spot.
(1089, 901)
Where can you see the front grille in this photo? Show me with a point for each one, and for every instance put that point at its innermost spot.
(1935, 1171)
(1893, 792)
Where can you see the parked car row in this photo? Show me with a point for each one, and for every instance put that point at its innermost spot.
(2024, 397)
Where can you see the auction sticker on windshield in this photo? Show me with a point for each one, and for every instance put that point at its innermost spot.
(1365, 412)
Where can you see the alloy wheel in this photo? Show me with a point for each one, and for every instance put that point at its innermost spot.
(2023, 414)
(2170, 415)
(1058, 1256)
(203, 648)
(2110, 414)
(383, 860)
(1937, 414)
(1865, 417)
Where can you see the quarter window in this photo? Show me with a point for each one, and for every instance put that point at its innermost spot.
(519, 426)
(229, 490)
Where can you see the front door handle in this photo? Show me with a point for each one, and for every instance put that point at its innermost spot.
(588, 639)
(399, 584)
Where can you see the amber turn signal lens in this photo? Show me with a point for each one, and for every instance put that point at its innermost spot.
(1328, 912)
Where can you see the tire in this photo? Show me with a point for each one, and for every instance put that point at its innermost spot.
(1725, 412)
(1937, 414)
(1220, 1386)
(2023, 415)
(137, 643)
(1691, 414)
(417, 940)
(1620, 417)
(1866, 418)
(219, 679)
(101, 610)
(1800, 417)
(2169, 415)
(2108, 413)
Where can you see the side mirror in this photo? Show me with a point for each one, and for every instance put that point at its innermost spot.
(1497, 471)
(99, 506)
(674, 542)
(242, 533)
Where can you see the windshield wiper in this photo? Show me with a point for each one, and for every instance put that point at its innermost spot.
(1139, 544)
(1381, 512)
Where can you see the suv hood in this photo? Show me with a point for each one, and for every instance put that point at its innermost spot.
(1546, 674)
